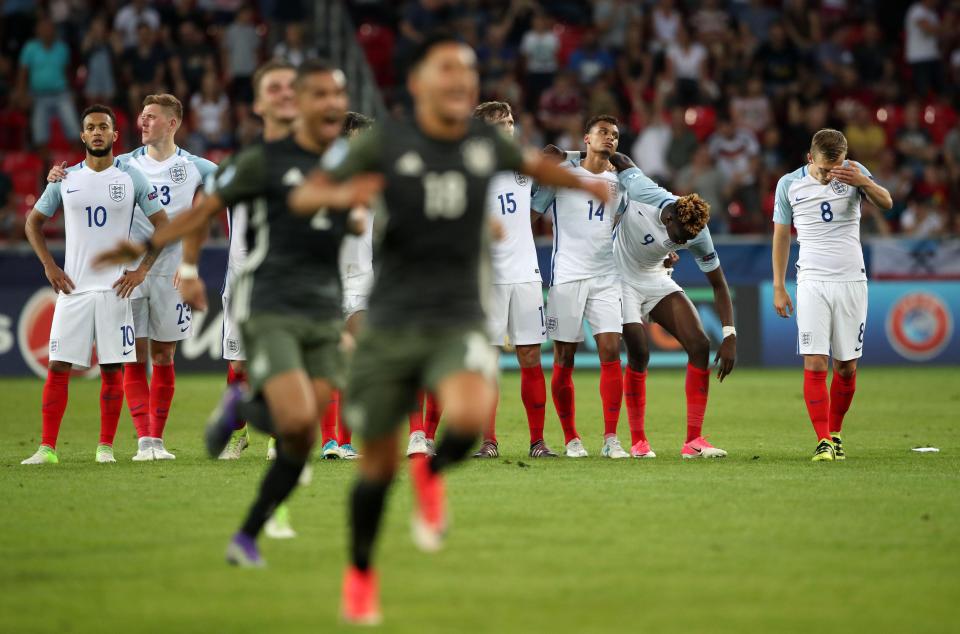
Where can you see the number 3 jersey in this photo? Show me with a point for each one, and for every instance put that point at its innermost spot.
(827, 218)
(175, 181)
(582, 227)
(98, 210)
(514, 256)
(641, 244)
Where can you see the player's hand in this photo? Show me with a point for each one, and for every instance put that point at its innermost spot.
(551, 151)
(726, 357)
(497, 231)
(57, 173)
(59, 280)
(124, 252)
(621, 162)
(671, 259)
(194, 293)
(176, 280)
(128, 281)
(782, 303)
(850, 174)
(597, 189)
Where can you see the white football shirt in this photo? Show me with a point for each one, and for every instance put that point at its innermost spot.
(175, 180)
(641, 244)
(515, 256)
(98, 212)
(827, 218)
(582, 227)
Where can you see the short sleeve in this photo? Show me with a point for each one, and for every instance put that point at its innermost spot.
(362, 156)
(204, 167)
(642, 189)
(144, 193)
(782, 211)
(543, 197)
(509, 156)
(703, 250)
(239, 178)
(26, 54)
(50, 200)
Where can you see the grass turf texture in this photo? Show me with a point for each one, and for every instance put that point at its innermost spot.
(764, 540)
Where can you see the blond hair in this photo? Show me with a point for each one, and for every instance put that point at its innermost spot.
(168, 102)
(830, 144)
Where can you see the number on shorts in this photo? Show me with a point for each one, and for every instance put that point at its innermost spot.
(183, 311)
(541, 317)
(127, 333)
(591, 213)
(825, 212)
(96, 216)
(860, 337)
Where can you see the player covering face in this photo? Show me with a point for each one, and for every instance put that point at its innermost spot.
(425, 320)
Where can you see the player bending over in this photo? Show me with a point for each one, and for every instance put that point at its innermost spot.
(425, 322)
(822, 199)
(100, 198)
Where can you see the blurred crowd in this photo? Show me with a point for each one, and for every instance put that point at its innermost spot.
(715, 96)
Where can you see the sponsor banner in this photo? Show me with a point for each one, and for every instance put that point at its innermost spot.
(901, 259)
(907, 323)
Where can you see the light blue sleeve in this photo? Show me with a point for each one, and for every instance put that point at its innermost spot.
(641, 188)
(703, 250)
(203, 166)
(143, 192)
(782, 211)
(26, 55)
(543, 197)
(50, 200)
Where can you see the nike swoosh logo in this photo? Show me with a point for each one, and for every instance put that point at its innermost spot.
(798, 199)
(126, 352)
(133, 409)
(858, 349)
(184, 329)
(543, 333)
(70, 191)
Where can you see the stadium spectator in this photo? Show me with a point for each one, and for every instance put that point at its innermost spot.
(757, 18)
(589, 61)
(701, 176)
(293, 48)
(129, 18)
(913, 141)
(921, 219)
(11, 223)
(683, 142)
(210, 111)
(601, 99)
(561, 104)
(833, 55)
(921, 48)
(665, 21)
(540, 47)
(778, 60)
(613, 20)
(802, 25)
(751, 108)
(951, 155)
(193, 59)
(240, 47)
(635, 64)
(43, 85)
(495, 56)
(736, 153)
(866, 138)
(872, 55)
(687, 68)
(649, 151)
(100, 50)
(146, 66)
(711, 23)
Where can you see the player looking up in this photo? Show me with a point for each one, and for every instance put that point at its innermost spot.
(99, 197)
(822, 199)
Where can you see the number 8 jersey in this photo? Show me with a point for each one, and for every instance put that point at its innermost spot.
(98, 211)
(827, 218)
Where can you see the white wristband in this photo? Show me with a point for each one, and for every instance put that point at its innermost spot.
(729, 330)
(188, 271)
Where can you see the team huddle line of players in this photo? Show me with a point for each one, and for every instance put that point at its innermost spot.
(444, 193)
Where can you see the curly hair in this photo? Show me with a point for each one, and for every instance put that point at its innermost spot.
(692, 212)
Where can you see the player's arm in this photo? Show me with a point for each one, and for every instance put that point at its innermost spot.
(640, 187)
(352, 182)
(857, 176)
(782, 219)
(727, 354)
(46, 206)
(129, 280)
(547, 172)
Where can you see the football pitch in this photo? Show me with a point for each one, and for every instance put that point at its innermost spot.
(762, 541)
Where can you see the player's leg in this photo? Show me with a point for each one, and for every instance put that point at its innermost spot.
(604, 313)
(849, 324)
(499, 315)
(162, 387)
(678, 316)
(71, 340)
(565, 306)
(135, 385)
(814, 325)
(635, 385)
(113, 325)
(417, 444)
(432, 411)
(233, 352)
(528, 331)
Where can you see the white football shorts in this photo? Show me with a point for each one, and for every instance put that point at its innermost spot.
(98, 316)
(596, 299)
(516, 312)
(159, 311)
(641, 295)
(831, 317)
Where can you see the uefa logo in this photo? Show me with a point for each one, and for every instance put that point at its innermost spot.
(919, 326)
(33, 334)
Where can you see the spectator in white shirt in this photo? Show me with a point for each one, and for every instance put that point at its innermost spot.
(921, 50)
(131, 16)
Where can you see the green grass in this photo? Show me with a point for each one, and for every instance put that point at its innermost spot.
(764, 541)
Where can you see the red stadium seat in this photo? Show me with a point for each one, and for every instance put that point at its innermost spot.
(569, 37)
(378, 42)
(13, 130)
(24, 169)
(702, 120)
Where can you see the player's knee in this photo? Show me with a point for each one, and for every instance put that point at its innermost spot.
(608, 349)
(528, 356)
(846, 369)
(698, 349)
(563, 354)
(110, 368)
(60, 367)
(162, 355)
(638, 360)
(298, 442)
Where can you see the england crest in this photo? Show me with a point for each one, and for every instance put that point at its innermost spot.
(521, 179)
(118, 191)
(840, 188)
(178, 173)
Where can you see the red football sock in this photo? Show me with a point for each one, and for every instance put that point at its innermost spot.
(698, 386)
(234, 377)
(841, 395)
(635, 393)
(818, 401)
(111, 403)
(138, 396)
(53, 405)
(416, 416)
(344, 433)
(611, 395)
(561, 385)
(533, 393)
(328, 424)
(490, 433)
(161, 395)
(431, 416)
